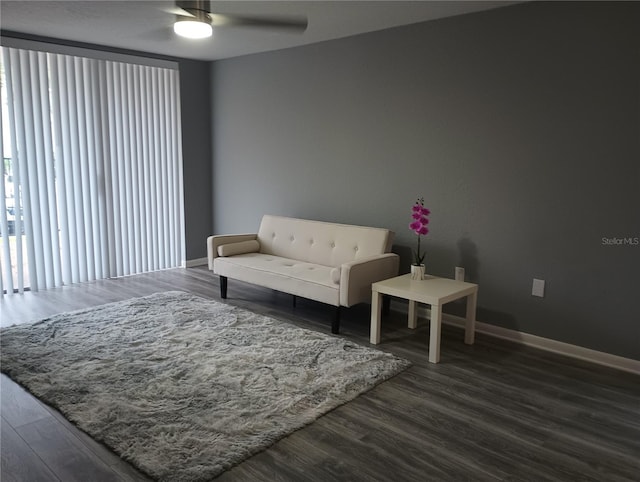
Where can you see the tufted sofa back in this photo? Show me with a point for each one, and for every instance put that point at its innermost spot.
(328, 244)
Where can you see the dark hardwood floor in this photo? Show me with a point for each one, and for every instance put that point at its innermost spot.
(491, 411)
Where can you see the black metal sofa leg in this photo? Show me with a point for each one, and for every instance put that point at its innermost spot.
(223, 287)
(335, 325)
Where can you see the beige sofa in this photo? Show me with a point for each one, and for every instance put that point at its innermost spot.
(327, 262)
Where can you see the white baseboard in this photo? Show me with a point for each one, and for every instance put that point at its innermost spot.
(547, 344)
(196, 262)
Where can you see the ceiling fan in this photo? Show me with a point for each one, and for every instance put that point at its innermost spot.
(194, 19)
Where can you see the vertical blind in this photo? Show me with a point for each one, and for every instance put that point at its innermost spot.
(94, 154)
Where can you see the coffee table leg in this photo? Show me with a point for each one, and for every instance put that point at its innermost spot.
(470, 323)
(413, 314)
(434, 334)
(376, 309)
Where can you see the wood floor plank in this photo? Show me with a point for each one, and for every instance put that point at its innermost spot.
(491, 411)
(487, 441)
(19, 407)
(64, 454)
(386, 452)
(125, 470)
(19, 463)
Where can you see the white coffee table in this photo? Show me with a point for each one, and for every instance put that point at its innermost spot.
(433, 291)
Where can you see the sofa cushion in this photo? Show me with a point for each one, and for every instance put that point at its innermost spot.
(299, 278)
(241, 247)
(318, 242)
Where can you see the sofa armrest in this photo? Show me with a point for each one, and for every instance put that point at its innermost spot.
(356, 277)
(218, 240)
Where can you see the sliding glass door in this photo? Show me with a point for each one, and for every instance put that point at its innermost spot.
(92, 170)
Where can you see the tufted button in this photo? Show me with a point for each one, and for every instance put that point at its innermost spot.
(355, 248)
(311, 241)
(332, 244)
(273, 235)
(292, 238)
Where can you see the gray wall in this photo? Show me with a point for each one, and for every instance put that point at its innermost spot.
(196, 155)
(520, 127)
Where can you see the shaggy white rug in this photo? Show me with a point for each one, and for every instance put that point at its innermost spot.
(183, 387)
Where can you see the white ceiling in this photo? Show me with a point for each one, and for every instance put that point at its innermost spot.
(146, 26)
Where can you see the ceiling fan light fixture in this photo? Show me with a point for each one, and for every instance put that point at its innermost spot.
(193, 29)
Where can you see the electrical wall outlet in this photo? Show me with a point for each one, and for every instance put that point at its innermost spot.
(538, 288)
(459, 273)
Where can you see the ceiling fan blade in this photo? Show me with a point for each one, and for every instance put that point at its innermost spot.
(178, 11)
(295, 24)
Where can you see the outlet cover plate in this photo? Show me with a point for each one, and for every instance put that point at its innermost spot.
(538, 288)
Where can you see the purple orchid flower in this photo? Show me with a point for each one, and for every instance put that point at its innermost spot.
(419, 226)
